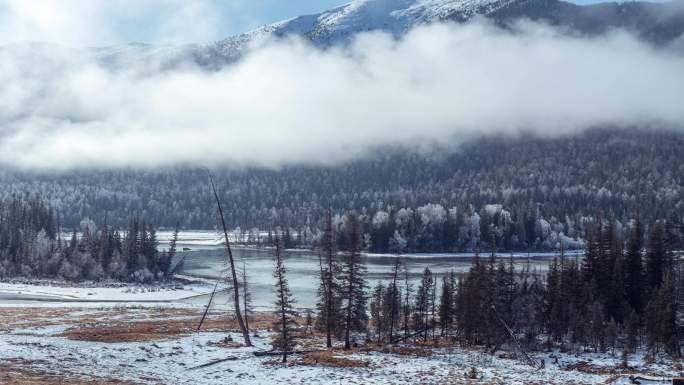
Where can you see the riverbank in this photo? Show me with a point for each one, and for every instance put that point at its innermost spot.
(61, 293)
(160, 345)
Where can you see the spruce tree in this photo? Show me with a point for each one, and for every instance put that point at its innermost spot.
(285, 323)
(407, 309)
(656, 257)
(634, 269)
(354, 283)
(661, 319)
(329, 298)
(446, 304)
(424, 303)
(377, 311)
(394, 299)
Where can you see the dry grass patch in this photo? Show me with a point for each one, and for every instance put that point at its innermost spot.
(141, 331)
(11, 317)
(156, 329)
(408, 351)
(331, 359)
(24, 372)
(327, 358)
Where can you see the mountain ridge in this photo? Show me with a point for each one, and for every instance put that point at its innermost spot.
(661, 24)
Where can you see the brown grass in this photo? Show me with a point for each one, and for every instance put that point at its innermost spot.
(157, 329)
(125, 324)
(408, 351)
(23, 372)
(328, 358)
(12, 318)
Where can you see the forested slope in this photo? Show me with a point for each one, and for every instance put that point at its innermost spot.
(519, 192)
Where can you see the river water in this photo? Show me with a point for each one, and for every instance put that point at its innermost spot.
(303, 270)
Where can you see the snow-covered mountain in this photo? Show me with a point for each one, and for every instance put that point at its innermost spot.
(324, 29)
(659, 23)
(340, 24)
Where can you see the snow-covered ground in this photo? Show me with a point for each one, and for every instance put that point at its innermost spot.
(175, 360)
(12, 294)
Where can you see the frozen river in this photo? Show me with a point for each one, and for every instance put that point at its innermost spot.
(303, 270)
(205, 258)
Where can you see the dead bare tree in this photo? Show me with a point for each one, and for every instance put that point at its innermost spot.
(246, 294)
(329, 251)
(394, 297)
(236, 287)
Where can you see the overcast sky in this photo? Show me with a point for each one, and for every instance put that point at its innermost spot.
(107, 22)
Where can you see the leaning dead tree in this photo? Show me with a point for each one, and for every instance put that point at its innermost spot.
(529, 360)
(231, 262)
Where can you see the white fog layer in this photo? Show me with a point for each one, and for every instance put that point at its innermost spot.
(289, 102)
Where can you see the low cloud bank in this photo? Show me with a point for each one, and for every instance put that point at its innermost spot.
(287, 102)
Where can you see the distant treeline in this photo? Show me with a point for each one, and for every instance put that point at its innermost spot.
(525, 194)
(31, 246)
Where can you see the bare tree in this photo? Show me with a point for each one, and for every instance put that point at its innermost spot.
(394, 297)
(246, 294)
(236, 289)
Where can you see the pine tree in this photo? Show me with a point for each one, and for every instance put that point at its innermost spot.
(612, 333)
(171, 254)
(407, 309)
(656, 256)
(661, 319)
(555, 306)
(424, 303)
(634, 274)
(446, 304)
(377, 311)
(597, 326)
(329, 298)
(354, 284)
(394, 298)
(633, 326)
(285, 324)
(591, 264)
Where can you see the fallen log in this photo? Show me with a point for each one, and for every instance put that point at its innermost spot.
(637, 379)
(411, 335)
(276, 353)
(214, 362)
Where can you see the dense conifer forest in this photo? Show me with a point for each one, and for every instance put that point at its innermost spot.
(31, 245)
(522, 193)
(625, 294)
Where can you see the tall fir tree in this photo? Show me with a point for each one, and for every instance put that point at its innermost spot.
(634, 268)
(284, 326)
(656, 257)
(354, 283)
(329, 298)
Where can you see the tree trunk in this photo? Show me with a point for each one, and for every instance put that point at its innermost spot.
(347, 326)
(393, 299)
(329, 246)
(236, 288)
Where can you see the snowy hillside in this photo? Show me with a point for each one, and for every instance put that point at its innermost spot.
(339, 24)
(659, 23)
